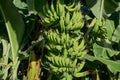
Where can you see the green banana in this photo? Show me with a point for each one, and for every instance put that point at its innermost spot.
(45, 12)
(60, 62)
(63, 62)
(75, 21)
(81, 46)
(53, 10)
(83, 53)
(80, 66)
(62, 25)
(74, 63)
(67, 19)
(53, 37)
(96, 27)
(48, 10)
(68, 27)
(67, 62)
(48, 15)
(76, 16)
(61, 8)
(57, 7)
(46, 22)
(65, 52)
(77, 7)
(77, 25)
(81, 74)
(56, 60)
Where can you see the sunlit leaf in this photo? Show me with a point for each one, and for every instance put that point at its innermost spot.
(103, 52)
(102, 7)
(110, 27)
(20, 4)
(114, 66)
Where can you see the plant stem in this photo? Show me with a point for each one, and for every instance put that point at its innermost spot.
(101, 9)
(33, 67)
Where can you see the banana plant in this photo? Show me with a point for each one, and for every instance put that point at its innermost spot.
(79, 37)
(15, 28)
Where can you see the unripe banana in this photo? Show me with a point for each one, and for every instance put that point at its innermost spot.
(56, 58)
(96, 27)
(77, 7)
(48, 10)
(62, 25)
(81, 44)
(67, 62)
(67, 19)
(76, 17)
(81, 74)
(74, 63)
(53, 10)
(61, 9)
(83, 53)
(69, 26)
(45, 12)
(80, 66)
(63, 61)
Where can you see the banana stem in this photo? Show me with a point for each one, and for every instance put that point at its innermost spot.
(33, 67)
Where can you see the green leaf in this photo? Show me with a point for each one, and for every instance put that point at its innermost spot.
(110, 27)
(20, 4)
(15, 28)
(99, 51)
(95, 6)
(103, 52)
(112, 52)
(14, 24)
(114, 66)
(100, 7)
(116, 34)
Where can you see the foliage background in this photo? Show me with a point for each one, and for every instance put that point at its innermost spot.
(25, 40)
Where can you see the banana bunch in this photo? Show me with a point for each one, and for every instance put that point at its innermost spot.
(54, 37)
(63, 58)
(71, 21)
(78, 49)
(59, 64)
(51, 12)
(49, 16)
(59, 41)
(96, 27)
(71, 18)
(65, 50)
